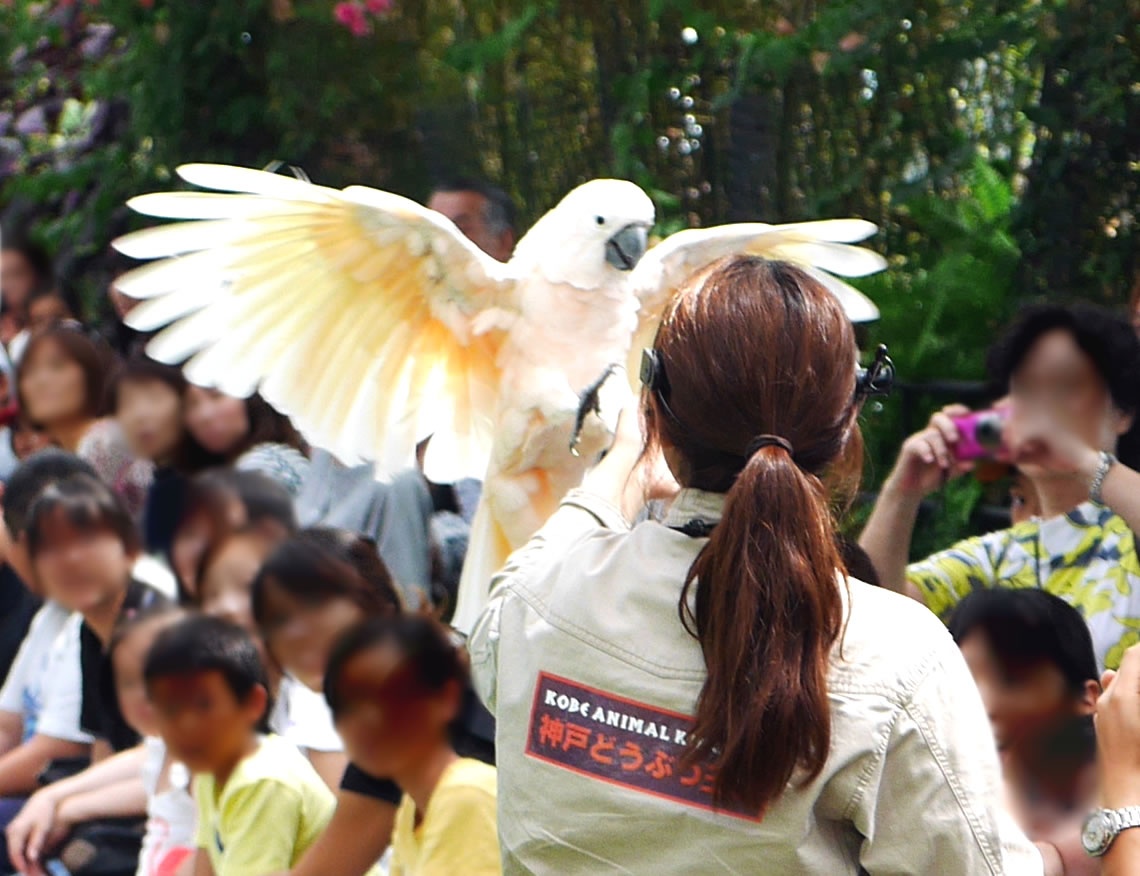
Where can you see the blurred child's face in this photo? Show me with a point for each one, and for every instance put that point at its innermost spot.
(82, 569)
(387, 720)
(52, 385)
(224, 590)
(201, 720)
(1021, 702)
(150, 414)
(218, 422)
(301, 633)
(26, 439)
(127, 663)
(46, 311)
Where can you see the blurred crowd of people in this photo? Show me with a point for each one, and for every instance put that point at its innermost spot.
(226, 653)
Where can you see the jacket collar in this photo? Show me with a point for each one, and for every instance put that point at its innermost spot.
(695, 506)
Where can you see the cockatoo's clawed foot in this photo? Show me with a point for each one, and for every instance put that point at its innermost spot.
(606, 397)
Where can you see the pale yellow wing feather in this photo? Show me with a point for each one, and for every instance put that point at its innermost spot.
(355, 312)
(824, 247)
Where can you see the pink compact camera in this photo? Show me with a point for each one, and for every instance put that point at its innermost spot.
(981, 434)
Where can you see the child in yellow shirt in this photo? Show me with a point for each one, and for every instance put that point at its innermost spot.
(395, 686)
(260, 802)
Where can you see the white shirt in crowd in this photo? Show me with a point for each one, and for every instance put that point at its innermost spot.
(593, 680)
(172, 815)
(44, 686)
(302, 716)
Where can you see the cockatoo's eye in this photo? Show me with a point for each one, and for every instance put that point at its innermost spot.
(601, 220)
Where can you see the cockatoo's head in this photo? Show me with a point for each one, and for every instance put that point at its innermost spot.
(597, 232)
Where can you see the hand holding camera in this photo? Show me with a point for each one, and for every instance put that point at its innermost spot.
(956, 438)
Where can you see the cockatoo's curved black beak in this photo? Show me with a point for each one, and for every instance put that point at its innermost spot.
(625, 249)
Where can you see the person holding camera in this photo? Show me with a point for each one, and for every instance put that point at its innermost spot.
(1073, 378)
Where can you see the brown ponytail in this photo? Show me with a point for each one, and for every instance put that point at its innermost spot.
(756, 348)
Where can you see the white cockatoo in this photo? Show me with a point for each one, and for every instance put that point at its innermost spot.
(374, 323)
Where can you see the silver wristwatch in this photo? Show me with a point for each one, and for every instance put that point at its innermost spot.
(1107, 461)
(1103, 826)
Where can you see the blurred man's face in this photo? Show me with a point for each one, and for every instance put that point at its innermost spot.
(468, 210)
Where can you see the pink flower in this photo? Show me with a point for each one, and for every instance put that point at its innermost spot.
(352, 16)
(378, 7)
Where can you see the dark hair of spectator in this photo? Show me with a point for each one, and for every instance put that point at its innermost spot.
(318, 565)
(93, 357)
(88, 505)
(212, 491)
(200, 644)
(1026, 627)
(267, 426)
(140, 368)
(1107, 338)
(424, 644)
(32, 477)
(35, 255)
(750, 348)
(500, 214)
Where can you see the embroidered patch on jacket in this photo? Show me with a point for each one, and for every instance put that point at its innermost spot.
(620, 741)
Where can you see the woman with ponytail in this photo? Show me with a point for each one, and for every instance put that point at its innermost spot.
(713, 693)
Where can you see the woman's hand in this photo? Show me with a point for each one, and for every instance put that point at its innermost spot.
(926, 460)
(1038, 439)
(1118, 733)
(41, 825)
(631, 473)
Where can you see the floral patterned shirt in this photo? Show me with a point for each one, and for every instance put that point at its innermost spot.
(1087, 557)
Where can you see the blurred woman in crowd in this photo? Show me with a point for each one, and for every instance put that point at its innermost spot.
(147, 398)
(62, 385)
(813, 732)
(247, 434)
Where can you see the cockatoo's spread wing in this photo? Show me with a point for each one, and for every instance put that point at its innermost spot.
(823, 248)
(367, 318)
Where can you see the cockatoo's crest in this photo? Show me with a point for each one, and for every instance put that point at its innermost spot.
(593, 237)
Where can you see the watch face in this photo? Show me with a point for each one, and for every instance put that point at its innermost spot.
(1097, 834)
